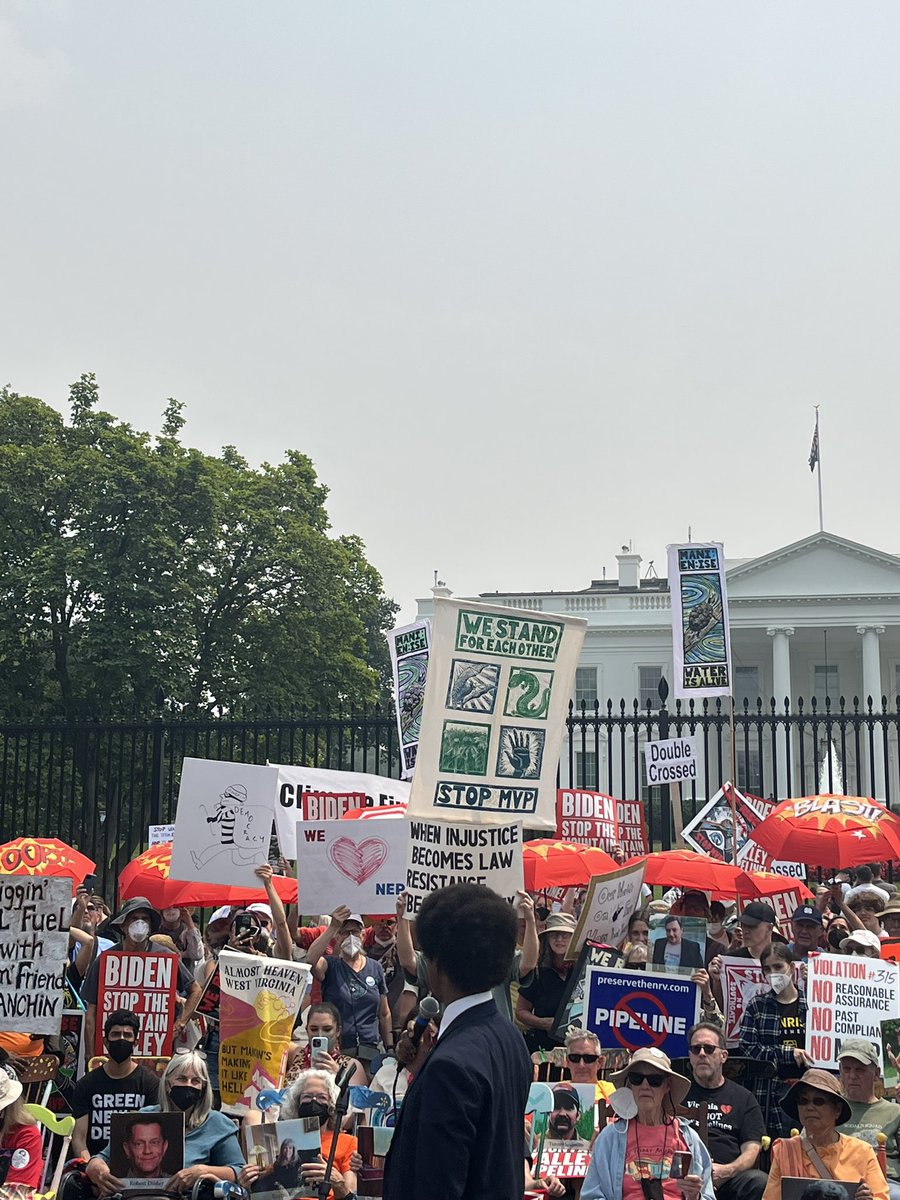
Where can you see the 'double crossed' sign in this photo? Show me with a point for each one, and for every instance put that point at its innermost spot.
(633, 1009)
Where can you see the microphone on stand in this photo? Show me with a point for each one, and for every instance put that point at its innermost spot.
(342, 1079)
(429, 1009)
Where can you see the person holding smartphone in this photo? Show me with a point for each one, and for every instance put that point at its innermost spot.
(647, 1153)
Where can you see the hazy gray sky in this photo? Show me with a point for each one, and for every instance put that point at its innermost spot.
(525, 280)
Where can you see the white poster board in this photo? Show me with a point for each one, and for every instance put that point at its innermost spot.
(848, 996)
(358, 863)
(608, 905)
(34, 940)
(442, 853)
(701, 643)
(160, 833)
(316, 794)
(496, 698)
(408, 646)
(670, 760)
(223, 823)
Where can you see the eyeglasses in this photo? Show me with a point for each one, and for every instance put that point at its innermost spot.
(635, 1078)
(704, 1048)
(816, 1101)
(580, 1058)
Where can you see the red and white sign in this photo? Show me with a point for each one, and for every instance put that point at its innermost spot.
(742, 981)
(145, 985)
(712, 832)
(595, 819)
(566, 1160)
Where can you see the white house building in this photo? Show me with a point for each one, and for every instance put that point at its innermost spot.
(815, 619)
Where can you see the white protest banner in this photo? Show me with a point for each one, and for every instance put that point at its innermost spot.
(408, 645)
(144, 984)
(634, 1010)
(34, 941)
(848, 996)
(496, 699)
(701, 644)
(608, 905)
(358, 863)
(742, 981)
(670, 761)
(160, 833)
(712, 832)
(223, 823)
(260, 998)
(316, 794)
(446, 852)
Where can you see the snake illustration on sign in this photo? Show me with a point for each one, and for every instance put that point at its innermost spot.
(358, 861)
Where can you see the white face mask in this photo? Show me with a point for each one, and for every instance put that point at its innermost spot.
(171, 915)
(351, 946)
(779, 982)
(388, 941)
(139, 931)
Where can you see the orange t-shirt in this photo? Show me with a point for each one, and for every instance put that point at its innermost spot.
(346, 1145)
(20, 1045)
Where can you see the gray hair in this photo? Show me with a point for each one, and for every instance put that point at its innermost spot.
(295, 1091)
(576, 1034)
(188, 1060)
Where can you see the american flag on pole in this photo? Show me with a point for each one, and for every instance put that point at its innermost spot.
(814, 448)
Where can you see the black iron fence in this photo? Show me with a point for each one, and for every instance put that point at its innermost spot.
(99, 785)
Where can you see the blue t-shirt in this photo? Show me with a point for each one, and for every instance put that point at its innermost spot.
(212, 1144)
(357, 997)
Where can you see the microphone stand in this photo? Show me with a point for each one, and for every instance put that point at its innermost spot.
(341, 1106)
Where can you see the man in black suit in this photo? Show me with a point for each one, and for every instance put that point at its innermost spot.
(460, 1134)
(675, 950)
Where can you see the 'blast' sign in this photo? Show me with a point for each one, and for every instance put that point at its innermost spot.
(144, 984)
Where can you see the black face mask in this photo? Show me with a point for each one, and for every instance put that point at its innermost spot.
(184, 1097)
(120, 1050)
(313, 1108)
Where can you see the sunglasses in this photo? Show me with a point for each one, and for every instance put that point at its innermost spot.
(580, 1058)
(703, 1048)
(635, 1078)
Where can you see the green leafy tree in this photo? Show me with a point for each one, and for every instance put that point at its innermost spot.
(132, 565)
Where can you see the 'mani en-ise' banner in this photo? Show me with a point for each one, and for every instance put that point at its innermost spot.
(701, 645)
(496, 697)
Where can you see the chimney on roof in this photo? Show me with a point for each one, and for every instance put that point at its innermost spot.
(629, 568)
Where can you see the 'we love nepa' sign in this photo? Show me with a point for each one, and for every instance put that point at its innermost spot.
(358, 863)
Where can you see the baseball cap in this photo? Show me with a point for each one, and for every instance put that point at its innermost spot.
(565, 1091)
(756, 912)
(221, 914)
(808, 912)
(863, 937)
(861, 1049)
(264, 910)
(355, 917)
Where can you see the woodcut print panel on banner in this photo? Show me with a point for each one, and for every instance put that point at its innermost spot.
(701, 645)
(496, 698)
(409, 645)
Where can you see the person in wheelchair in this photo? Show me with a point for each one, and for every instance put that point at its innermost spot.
(211, 1147)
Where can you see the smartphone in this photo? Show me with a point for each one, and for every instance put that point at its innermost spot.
(318, 1045)
(681, 1164)
(90, 882)
(244, 923)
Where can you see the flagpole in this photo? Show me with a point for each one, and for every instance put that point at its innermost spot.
(819, 472)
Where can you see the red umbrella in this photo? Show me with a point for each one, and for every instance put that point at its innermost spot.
(148, 875)
(368, 814)
(687, 869)
(550, 863)
(834, 831)
(44, 856)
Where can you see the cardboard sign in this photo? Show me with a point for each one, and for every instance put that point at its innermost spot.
(848, 996)
(742, 981)
(712, 832)
(701, 644)
(608, 905)
(408, 646)
(673, 760)
(145, 984)
(146, 1148)
(34, 940)
(160, 833)
(223, 824)
(634, 1009)
(595, 819)
(496, 699)
(332, 794)
(571, 1007)
(358, 863)
(445, 852)
(260, 999)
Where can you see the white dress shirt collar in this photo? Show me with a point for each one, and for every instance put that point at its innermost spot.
(457, 1007)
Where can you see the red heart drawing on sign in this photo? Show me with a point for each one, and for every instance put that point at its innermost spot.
(358, 862)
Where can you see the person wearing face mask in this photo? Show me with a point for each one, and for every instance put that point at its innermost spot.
(773, 1030)
(134, 923)
(178, 924)
(118, 1085)
(211, 1147)
(354, 983)
(313, 1094)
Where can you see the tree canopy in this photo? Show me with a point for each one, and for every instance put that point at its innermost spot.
(132, 565)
